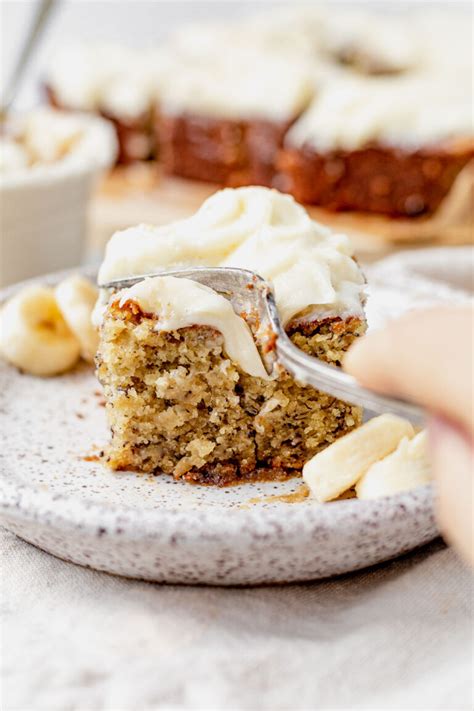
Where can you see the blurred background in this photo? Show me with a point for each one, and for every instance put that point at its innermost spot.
(138, 23)
(144, 23)
(151, 191)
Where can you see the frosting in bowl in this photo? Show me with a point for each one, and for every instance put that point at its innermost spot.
(45, 137)
(12, 156)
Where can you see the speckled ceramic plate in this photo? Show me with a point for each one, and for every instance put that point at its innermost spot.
(57, 495)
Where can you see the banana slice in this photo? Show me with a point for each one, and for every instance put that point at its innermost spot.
(407, 467)
(340, 466)
(76, 299)
(34, 335)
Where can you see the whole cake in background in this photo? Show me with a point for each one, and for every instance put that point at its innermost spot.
(343, 108)
(186, 390)
(387, 146)
(226, 123)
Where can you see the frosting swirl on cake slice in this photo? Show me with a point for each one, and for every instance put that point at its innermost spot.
(252, 228)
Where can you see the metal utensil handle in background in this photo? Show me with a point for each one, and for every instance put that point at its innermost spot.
(42, 15)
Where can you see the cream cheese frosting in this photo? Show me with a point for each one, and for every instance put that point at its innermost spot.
(181, 302)
(370, 42)
(78, 73)
(115, 79)
(246, 84)
(252, 228)
(365, 39)
(45, 137)
(413, 112)
(295, 30)
(13, 156)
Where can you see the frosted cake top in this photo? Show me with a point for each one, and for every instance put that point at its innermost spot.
(252, 228)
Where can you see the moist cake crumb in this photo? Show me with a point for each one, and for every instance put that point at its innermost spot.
(177, 404)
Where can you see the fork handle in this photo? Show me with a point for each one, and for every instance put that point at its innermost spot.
(43, 13)
(312, 371)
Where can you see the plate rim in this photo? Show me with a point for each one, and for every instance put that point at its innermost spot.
(26, 502)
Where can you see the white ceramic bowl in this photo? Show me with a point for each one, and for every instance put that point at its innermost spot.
(43, 210)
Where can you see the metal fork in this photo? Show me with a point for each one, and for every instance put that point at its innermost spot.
(249, 293)
(42, 16)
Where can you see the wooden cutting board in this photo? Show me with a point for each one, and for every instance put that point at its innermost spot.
(142, 194)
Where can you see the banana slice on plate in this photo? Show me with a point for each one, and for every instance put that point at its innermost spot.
(34, 335)
(340, 466)
(407, 467)
(76, 297)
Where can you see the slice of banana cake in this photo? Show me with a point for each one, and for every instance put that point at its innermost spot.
(186, 390)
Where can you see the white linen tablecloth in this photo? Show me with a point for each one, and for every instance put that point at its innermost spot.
(398, 636)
